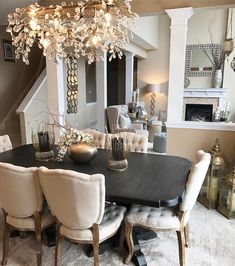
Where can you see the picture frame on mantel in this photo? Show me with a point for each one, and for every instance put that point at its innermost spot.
(8, 51)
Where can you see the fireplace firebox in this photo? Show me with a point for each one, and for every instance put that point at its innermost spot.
(199, 112)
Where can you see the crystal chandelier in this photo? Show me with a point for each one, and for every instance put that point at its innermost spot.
(72, 29)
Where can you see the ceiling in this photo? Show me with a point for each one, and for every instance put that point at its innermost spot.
(142, 7)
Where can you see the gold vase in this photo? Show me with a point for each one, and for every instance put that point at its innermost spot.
(82, 152)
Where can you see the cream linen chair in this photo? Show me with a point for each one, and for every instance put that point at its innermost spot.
(137, 143)
(21, 199)
(119, 121)
(165, 219)
(99, 137)
(78, 202)
(5, 143)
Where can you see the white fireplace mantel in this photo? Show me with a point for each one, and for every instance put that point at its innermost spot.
(205, 92)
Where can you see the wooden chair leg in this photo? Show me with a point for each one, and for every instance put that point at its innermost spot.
(95, 243)
(129, 239)
(6, 237)
(38, 234)
(186, 235)
(122, 236)
(181, 244)
(58, 244)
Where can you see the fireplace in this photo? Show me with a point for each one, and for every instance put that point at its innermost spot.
(199, 112)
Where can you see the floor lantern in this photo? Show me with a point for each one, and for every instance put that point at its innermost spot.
(227, 195)
(209, 194)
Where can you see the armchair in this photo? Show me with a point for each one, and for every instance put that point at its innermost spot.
(119, 121)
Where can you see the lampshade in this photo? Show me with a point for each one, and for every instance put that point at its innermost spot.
(153, 88)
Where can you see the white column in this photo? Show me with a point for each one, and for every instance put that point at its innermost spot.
(179, 18)
(55, 81)
(101, 92)
(129, 76)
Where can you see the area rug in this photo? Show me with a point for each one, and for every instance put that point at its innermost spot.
(212, 243)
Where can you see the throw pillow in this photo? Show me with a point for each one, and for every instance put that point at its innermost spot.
(124, 121)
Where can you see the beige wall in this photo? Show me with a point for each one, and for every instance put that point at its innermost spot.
(15, 77)
(186, 142)
(229, 76)
(155, 68)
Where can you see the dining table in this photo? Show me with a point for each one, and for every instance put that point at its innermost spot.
(150, 179)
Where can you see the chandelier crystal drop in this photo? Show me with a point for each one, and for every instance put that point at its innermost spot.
(73, 29)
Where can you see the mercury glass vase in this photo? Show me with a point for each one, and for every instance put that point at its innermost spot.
(82, 152)
(43, 140)
(217, 79)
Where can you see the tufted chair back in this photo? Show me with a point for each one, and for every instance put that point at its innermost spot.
(99, 137)
(137, 143)
(195, 180)
(20, 191)
(113, 113)
(84, 202)
(5, 143)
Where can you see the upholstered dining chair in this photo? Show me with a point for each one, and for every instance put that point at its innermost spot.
(81, 213)
(99, 137)
(5, 143)
(21, 199)
(137, 143)
(165, 219)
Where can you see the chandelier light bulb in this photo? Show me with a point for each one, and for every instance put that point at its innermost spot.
(32, 12)
(108, 17)
(33, 24)
(45, 43)
(95, 40)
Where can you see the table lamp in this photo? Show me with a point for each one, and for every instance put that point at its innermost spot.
(153, 88)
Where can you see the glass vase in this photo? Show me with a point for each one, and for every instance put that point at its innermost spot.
(217, 79)
(117, 149)
(43, 139)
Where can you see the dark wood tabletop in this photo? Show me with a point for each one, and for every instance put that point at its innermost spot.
(150, 179)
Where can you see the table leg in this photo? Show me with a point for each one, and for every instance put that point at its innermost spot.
(138, 256)
(50, 233)
(106, 245)
(139, 233)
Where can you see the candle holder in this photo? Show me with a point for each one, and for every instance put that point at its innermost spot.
(117, 151)
(43, 140)
(227, 195)
(209, 194)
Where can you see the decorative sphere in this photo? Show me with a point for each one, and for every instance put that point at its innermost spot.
(82, 152)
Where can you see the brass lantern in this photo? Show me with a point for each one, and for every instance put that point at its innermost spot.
(227, 195)
(209, 194)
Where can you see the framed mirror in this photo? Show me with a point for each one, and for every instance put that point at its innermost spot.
(198, 60)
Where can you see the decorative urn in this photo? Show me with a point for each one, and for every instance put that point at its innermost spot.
(82, 152)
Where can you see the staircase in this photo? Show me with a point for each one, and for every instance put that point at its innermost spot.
(10, 125)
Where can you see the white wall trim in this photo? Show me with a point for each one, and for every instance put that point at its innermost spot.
(179, 18)
(32, 92)
(203, 125)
